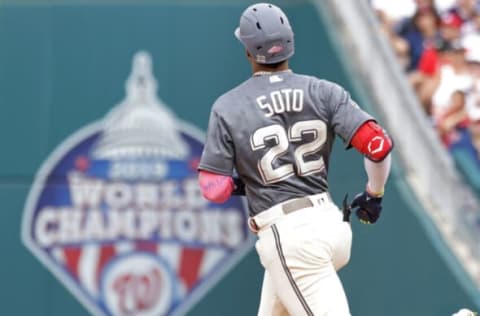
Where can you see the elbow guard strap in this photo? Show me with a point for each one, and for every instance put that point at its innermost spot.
(372, 141)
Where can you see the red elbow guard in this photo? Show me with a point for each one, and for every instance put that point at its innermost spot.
(372, 141)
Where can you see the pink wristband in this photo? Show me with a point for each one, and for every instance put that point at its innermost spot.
(215, 187)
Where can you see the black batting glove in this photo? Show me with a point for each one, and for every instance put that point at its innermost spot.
(346, 209)
(368, 207)
(238, 187)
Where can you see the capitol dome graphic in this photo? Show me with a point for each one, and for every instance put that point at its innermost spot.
(141, 126)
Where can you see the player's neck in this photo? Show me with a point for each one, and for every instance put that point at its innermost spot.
(258, 68)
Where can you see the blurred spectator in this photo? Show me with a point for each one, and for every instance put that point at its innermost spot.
(472, 26)
(431, 58)
(420, 31)
(471, 36)
(425, 78)
(451, 25)
(454, 75)
(394, 11)
(465, 10)
(400, 45)
(453, 120)
(398, 10)
(444, 5)
(425, 4)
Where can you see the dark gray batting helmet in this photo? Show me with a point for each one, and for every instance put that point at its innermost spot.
(266, 33)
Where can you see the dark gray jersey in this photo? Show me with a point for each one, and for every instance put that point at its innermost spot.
(277, 131)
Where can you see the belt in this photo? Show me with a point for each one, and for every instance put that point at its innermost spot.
(269, 216)
(295, 205)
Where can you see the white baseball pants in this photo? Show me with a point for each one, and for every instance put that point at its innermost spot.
(301, 252)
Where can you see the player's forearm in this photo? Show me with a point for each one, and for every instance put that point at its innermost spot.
(377, 173)
(215, 187)
(372, 141)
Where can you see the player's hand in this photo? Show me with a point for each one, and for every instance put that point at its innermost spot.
(238, 184)
(238, 187)
(368, 207)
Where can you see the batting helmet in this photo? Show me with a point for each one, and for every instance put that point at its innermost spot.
(266, 33)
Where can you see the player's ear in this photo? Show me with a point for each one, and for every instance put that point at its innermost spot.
(250, 58)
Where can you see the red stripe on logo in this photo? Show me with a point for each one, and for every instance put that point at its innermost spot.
(106, 253)
(72, 256)
(190, 265)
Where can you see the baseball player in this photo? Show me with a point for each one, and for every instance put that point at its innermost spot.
(276, 130)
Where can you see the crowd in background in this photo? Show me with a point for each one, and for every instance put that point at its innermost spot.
(438, 44)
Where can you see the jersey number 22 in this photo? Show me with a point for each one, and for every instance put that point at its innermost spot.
(282, 139)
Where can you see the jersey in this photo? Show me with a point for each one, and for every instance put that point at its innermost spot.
(277, 131)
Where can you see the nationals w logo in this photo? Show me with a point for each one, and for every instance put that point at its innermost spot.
(117, 216)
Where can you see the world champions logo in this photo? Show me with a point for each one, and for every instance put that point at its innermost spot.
(116, 214)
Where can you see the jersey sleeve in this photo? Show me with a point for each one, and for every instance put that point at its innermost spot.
(218, 152)
(345, 115)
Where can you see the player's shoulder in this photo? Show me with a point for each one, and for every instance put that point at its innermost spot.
(307, 78)
(228, 100)
(321, 87)
(317, 82)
